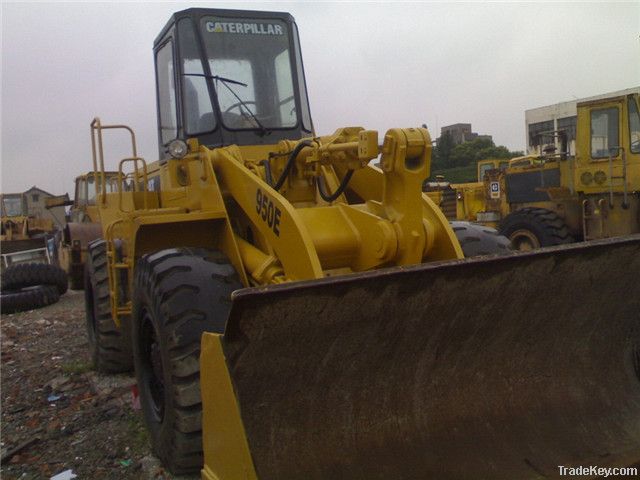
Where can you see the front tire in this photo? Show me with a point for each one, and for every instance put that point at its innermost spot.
(178, 295)
(110, 346)
(530, 228)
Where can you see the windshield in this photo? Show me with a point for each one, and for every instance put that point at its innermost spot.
(252, 61)
(12, 206)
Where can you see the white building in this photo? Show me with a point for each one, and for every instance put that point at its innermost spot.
(561, 116)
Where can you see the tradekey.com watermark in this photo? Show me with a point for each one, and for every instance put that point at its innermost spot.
(594, 471)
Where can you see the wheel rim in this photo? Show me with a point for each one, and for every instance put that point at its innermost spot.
(152, 369)
(524, 240)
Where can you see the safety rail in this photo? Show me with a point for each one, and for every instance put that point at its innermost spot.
(98, 153)
(623, 177)
(116, 265)
(136, 181)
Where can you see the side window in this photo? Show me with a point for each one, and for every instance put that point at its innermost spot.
(484, 169)
(197, 110)
(166, 93)
(111, 184)
(306, 114)
(634, 126)
(604, 132)
(284, 83)
(91, 190)
(81, 192)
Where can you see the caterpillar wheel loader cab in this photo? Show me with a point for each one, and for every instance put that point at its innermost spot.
(294, 312)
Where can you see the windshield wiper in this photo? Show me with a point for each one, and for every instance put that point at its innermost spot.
(226, 81)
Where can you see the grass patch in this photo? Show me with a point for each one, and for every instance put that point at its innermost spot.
(137, 431)
(77, 366)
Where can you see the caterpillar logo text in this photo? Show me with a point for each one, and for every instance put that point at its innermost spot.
(244, 28)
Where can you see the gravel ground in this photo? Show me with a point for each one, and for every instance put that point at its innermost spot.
(57, 413)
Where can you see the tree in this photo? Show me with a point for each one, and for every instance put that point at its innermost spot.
(478, 149)
(442, 152)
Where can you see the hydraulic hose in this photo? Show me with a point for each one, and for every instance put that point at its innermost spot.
(341, 188)
(267, 172)
(290, 162)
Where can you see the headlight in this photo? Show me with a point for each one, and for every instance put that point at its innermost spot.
(178, 149)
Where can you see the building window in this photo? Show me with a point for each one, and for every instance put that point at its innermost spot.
(568, 125)
(35, 197)
(536, 131)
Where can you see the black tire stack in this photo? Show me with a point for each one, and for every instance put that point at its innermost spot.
(27, 286)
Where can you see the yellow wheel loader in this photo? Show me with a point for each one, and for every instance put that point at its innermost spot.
(293, 312)
(24, 237)
(467, 201)
(558, 198)
(83, 226)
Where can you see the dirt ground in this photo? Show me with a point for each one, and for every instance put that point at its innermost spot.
(57, 413)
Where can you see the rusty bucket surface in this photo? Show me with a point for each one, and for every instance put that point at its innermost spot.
(484, 368)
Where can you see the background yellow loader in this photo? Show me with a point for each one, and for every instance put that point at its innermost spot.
(467, 201)
(557, 198)
(293, 312)
(83, 225)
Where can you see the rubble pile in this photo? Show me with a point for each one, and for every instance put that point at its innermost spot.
(60, 418)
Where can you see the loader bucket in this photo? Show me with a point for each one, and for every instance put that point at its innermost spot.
(502, 368)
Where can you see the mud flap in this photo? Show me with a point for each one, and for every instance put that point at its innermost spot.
(503, 367)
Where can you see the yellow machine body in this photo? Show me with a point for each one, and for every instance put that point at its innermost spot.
(83, 226)
(467, 201)
(290, 235)
(22, 236)
(359, 342)
(594, 194)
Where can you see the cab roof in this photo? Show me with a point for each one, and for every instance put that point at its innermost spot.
(195, 13)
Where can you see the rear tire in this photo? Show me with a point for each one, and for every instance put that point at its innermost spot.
(28, 298)
(530, 228)
(476, 240)
(110, 346)
(178, 295)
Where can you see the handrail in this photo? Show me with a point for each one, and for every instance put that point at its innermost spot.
(623, 177)
(98, 156)
(136, 178)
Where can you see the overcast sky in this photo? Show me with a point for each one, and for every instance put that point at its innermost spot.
(376, 65)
